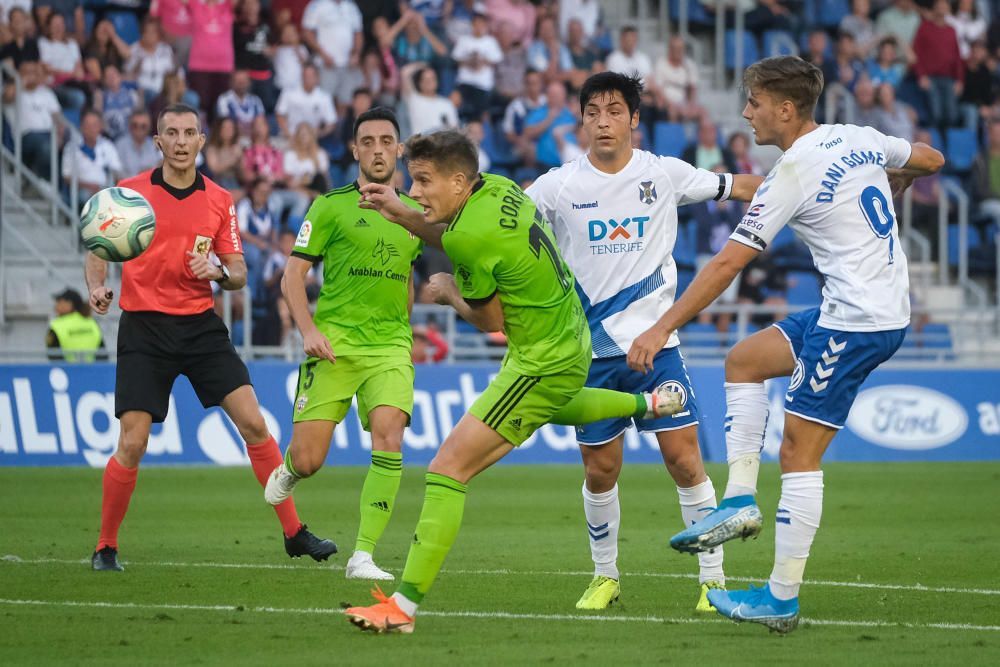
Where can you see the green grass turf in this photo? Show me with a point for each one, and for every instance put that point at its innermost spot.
(905, 524)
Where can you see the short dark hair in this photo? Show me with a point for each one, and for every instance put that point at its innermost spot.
(628, 28)
(604, 83)
(786, 78)
(178, 108)
(376, 113)
(445, 149)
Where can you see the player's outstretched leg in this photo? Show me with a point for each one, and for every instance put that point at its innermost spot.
(592, 404)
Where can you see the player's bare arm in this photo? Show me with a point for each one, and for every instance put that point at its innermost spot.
(293, 287)
(706, 287)
(924, 161)
(745, 186)
(486, 316)
(95, 270)
(233, 278)
(385, 200)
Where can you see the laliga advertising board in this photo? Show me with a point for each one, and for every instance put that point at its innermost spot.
(64, 415)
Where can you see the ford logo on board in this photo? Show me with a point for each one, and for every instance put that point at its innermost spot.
(901, 416)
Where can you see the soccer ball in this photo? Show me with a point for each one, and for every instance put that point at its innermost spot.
(117, 224)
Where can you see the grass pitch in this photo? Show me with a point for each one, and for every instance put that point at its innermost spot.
(904, 571)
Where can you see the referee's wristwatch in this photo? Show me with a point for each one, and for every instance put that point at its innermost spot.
(225, 274)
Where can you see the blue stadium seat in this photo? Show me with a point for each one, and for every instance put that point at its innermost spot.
(669, 139)
(936, 335)
(953, 239)
(750, 51)
(89, 19)
(784, 237)
(831, 12)
(697, 14)
(72, 117)
(962, 147)
(803, 289)
(779, 43)
(936, 140)
(126, 25)
(685, 248)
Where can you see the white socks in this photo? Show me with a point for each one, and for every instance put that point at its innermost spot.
(406, 605)
(696, 503)
(799, 512)
(746, 420)
(603, 516)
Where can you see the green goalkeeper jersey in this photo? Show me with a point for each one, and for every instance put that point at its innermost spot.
(500, 245)
(363, 306)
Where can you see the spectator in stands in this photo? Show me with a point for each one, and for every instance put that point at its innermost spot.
(428, 345)
(865, 110)
(459, 23)
(706, 153)
(285, 12)
(73, 335)
(675, 83)
(892, 117)
(511, 68)
(306, 165)
(332, 29)
(816, 52)
(474, 131)
(519, 109)
(542, 121)
(849, 66)
(22, 46)
(939, 68)
(223, 154)
(116, 100)
(258, 228)
(176, 20)
(60, 55)
(477, 56)
(373, 77)
(104, 48)
(714, 223)
(547, 54)
(519, 15)
(360, 103)
(739, 148)
(136, 148)
(262, 160)
(980, 90)
(426, 109)
(585, 58)
(587, 12)
(71, 12)
(571, 141)
(986, 176)
(434, 13)
(307, 103)
(859, 25)
(416, 43)
(253, 50)
(93, 160)
(900, 21)
(926, 198)
(269, 290)
(382, 45)
(212, 59)
(627, 58)
(290, 56)
(885, 67)
(36, 109)
(174, 91)
(239, 103)
(151, 60)
(969, 26)
(764, 283)
(372, 11)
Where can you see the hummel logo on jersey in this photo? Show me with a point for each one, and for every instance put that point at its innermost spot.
(590, 204)
(515, 423)
(384, 251)
(361, 223)
(381, 505)
(647, 192)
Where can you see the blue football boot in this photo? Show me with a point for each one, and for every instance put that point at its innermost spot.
(735, 517)
(757, 605)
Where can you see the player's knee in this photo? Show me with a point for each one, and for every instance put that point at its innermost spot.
(254, 429)
(740, 365)
(387, 442)
(132, 446)
(602, 474)
(306, 463)
(797, 456)
(685, 465)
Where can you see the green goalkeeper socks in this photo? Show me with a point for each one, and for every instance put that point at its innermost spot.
(440, 519)
(591, 405)
(378, 497)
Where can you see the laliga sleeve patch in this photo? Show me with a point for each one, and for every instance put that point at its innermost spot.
(305, 232)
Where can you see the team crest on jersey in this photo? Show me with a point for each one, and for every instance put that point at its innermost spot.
(202, 245)
(305, 232)
(798, 375)
(300, 404)
(647, 192)
(384, 251)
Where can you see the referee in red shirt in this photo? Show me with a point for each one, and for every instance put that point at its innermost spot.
(168, 328)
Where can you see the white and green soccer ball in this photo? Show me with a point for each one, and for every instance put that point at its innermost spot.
(117, 224)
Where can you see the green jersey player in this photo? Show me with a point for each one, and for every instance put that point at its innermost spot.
(358, 342)
(509, 276)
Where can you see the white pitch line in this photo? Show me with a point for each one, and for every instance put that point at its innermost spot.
(486, 614)
(9, 558)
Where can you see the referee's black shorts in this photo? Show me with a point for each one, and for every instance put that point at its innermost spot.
(154, 348)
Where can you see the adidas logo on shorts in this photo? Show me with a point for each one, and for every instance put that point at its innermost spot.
(381, 505)
(515, 423)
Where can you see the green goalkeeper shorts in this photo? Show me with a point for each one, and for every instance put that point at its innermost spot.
(325, 389)
(516, 405)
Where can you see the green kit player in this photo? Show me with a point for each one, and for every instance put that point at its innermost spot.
(359, 341)
(509, 276)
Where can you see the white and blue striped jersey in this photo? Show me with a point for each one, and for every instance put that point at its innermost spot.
(617, 233)
(831, 188)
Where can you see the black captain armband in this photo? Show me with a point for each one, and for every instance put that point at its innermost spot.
(725, 187)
